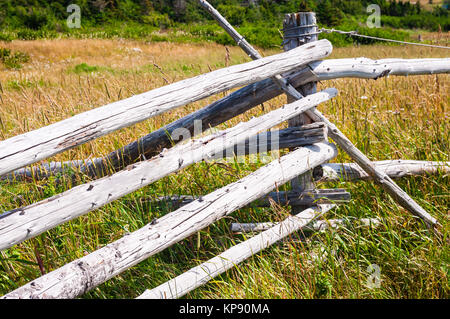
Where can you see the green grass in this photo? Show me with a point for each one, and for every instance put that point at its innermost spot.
(13, 60)
(414, 263)
(403, 117)
(264, 36)
(85, 68)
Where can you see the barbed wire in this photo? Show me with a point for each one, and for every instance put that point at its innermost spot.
(356, 34)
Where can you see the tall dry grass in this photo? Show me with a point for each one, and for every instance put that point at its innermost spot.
(395, 117)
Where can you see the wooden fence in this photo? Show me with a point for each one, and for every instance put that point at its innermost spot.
(152, 158)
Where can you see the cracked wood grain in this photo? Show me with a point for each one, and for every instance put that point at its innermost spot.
(39, 144)
(39, 217)
(83, 274)
(237, 103)
(392, 168)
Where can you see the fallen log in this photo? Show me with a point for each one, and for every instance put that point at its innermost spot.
(200, 275)
(39, 144)
(83, 274)
(392, 168)
(313, 227)
(286, 138)
(26, 222)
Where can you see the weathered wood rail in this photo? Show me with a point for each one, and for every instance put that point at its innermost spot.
(203, 273)
(294, 198)
(235, 104)
(27, 222)
(392, 168)
(314, 226)
(85, 273)
(39, 144)
(261, 143)
(265, 78)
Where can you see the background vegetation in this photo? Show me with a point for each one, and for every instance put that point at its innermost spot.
(184, 20)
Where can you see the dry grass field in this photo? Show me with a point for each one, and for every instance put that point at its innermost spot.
(401, 118)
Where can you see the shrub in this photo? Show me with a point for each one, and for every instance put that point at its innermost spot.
(13, 60)
(329, 14)
(34, 18)
(27, 34)
(234, 14)
(157, 19)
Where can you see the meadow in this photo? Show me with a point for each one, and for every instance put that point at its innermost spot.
(388, 118)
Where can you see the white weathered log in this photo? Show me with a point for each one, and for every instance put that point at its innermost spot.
(315, 226)
(300, 24)
(242, 100)
(24, 223)
(400, 196)
(293, 198)
(200, 275)
(392, 168)
(34, 146)
(83, 274)
(285, 138)
(364, 68)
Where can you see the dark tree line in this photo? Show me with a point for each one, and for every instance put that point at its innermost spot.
(37, 14)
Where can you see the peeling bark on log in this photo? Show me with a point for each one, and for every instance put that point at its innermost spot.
(393, 168)
(83, 274)
(290, 137)
(24, 223)
(39, 144)
(315, 226)
(206, 271)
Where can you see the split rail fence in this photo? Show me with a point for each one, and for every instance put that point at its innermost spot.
(153, 157)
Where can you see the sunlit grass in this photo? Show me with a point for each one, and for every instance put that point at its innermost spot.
(401, 118)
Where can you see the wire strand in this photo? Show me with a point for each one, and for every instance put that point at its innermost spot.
(356, 34)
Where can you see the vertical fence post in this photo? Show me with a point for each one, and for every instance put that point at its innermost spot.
(300, 28)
